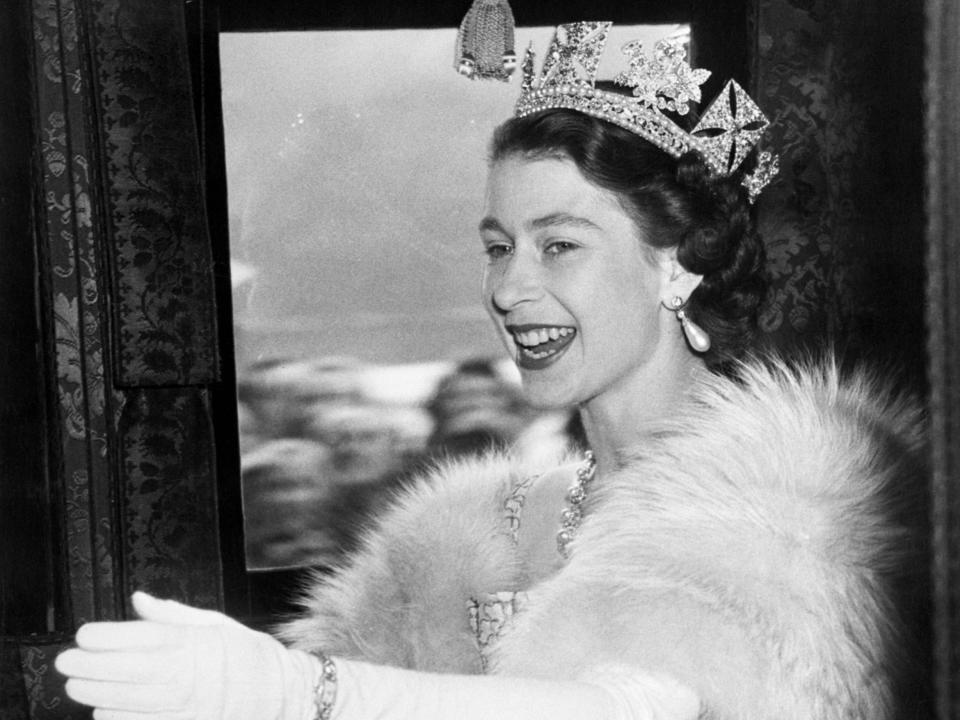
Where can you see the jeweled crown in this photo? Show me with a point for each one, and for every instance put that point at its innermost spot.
(724, 135)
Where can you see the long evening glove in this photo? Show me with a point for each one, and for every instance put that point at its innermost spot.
(182, 663)
(612, 692)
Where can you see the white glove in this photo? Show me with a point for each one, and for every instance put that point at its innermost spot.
(375, 692)
(182, 663)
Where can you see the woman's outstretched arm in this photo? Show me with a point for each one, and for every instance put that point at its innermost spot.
(181, 663)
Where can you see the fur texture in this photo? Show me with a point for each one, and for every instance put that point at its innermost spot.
(746, 549)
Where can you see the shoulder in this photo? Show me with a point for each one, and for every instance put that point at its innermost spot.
(480, 485)
(799, 462)
(804, 430)
(455, 504)
(810, 400)
(399, 599)
(729, 546)
(455, 485)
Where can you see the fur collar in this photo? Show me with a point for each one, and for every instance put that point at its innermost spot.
(747, 549)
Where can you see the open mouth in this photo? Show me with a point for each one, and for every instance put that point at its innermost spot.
(540, 345)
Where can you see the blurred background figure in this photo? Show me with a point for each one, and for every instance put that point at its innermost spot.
(373, 449)
(474, 409)
(326, 443)
(479, 405)
(282, 395)
(287, 499)
(318, 457)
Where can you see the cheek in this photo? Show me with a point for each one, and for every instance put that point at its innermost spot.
(641, 287)
(626, 309)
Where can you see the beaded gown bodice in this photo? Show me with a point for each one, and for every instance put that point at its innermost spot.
(491, 614)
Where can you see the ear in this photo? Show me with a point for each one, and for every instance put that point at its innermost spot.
(677, 281)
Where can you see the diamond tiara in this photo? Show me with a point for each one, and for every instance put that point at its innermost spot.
(724, 136)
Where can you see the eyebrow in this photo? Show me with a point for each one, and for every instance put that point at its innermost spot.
(561, 218)
(489, 223)
(551, 220)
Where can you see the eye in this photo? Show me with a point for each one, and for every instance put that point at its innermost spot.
(497, 250)
(559, 247)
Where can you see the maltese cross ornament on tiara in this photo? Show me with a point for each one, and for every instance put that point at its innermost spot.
(664, 82)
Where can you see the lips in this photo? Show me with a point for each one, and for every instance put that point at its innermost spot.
(540, 345)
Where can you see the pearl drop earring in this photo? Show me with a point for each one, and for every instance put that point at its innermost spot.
(696, 336)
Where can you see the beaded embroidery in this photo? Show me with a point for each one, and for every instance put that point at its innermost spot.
(489, 614)
(513, 506)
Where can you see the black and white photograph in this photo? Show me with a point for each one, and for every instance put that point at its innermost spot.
(480, 359)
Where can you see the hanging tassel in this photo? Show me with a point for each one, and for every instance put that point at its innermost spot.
(485, 42)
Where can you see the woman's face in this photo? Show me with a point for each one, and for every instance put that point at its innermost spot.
(572, 289)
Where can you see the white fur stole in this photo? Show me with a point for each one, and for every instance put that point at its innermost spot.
(745, 549)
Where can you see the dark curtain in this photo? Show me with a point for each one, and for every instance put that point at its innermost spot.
(843, 223)
(125, 304)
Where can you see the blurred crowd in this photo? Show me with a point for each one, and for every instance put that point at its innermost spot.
(325, 444)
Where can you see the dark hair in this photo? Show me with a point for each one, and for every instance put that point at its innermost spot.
(674, 202)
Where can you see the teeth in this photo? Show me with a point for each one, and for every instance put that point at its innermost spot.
(532, 338)
(538, 355)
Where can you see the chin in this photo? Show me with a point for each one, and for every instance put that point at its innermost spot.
(547, 396)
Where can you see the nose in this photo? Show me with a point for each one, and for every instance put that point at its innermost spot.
(513, 281)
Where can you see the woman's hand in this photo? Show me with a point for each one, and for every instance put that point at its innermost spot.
(182, 663)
